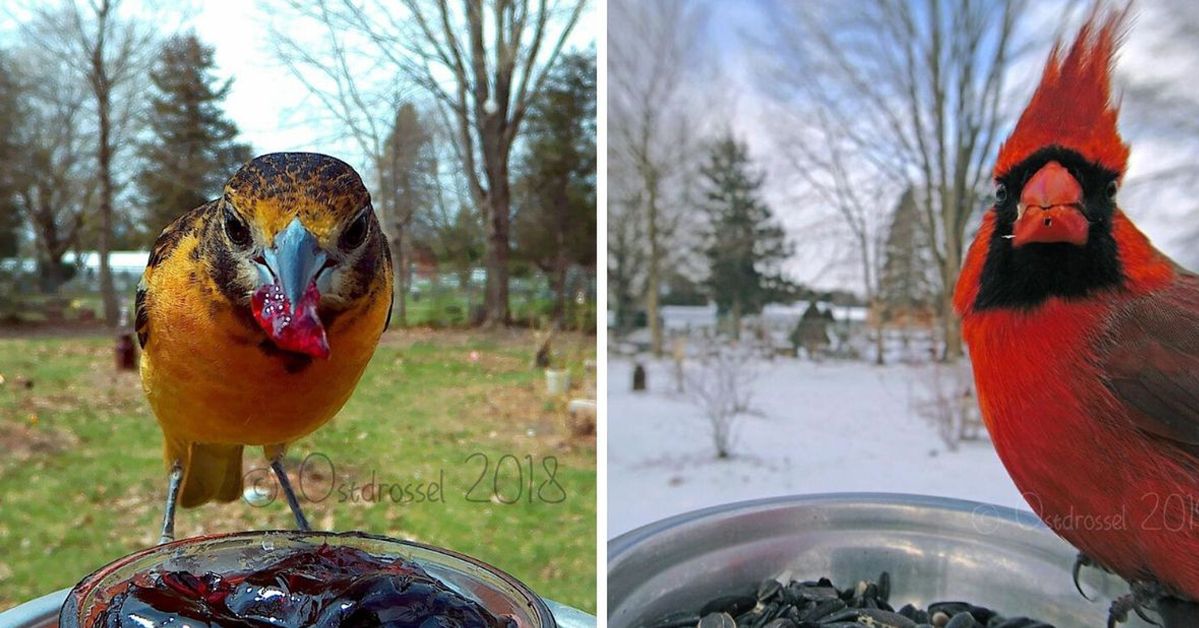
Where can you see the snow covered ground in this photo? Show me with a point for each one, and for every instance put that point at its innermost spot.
(828, 427)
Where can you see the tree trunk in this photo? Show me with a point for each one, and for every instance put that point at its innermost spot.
(50, 273)
(559, 288)
(400, 269)
(879, 360)
(496, 298)
(951, 327)
(560, 260)
(653, 281)
(107, 289)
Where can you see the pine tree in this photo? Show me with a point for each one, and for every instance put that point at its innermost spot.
(194, 148)
(745, 243)
(406, 187)
(906, 283)
(555, 222)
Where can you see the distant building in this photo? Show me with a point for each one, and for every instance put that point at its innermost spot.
(126, 266)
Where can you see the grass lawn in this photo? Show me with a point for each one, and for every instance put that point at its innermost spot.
(82, 479)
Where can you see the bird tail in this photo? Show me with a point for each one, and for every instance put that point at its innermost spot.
(213, 474)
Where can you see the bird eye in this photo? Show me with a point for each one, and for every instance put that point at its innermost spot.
(355, 234)
(1000, 193)
(1112, 188)
(236, 228)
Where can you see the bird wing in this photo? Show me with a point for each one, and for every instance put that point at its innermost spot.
(164, 245)
(1152, 360)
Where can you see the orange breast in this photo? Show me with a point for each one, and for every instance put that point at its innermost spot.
(208, 380)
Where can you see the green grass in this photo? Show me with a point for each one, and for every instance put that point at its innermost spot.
(81, 475)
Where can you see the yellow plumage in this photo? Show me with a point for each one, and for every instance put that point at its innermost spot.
(215, 380)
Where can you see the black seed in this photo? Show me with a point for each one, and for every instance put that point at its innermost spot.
(717, 620)
(822, 610)
(768, 589)
(887, 619)
(732, 604)
(1022, 622)
(963, 620)
(820, 604)
(676, 620)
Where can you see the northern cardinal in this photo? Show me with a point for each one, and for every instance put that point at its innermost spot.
(257, 313)
(1084, 338)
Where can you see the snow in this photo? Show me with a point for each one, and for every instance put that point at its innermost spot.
(823, 427)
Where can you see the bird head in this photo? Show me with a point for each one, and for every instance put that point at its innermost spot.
(1050, 232)
(298, 243)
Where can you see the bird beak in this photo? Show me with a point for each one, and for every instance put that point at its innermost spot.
(285, 304)
(1051, 209)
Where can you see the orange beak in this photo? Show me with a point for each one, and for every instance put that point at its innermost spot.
(1050, 209)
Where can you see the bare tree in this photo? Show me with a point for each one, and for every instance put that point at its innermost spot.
(650, 145)
(946, 400)
(1159, 112)
(109, 53)
(482, 62)
(913, 94)
(50, 175)
(720, 384)
(366, 100)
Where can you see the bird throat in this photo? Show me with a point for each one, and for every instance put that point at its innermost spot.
(291, 327)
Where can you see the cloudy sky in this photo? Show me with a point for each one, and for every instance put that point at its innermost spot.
(271, 107)
(1159, 56)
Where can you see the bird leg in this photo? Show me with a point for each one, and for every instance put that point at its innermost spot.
(174, 483)
(301, 521)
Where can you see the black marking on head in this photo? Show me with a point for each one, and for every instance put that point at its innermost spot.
(141, 323)
(1025, 277)
(172, 234)
(326, 180)
(372, 260)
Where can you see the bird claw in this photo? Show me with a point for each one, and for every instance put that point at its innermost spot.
(1118, 612)
(1144, 596)
(1082, 561)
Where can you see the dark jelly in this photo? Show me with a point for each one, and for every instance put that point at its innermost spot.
(324, 587)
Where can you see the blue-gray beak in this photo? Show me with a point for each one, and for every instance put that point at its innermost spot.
(295, 260)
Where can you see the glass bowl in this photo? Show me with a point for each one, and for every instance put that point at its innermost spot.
(497, 591)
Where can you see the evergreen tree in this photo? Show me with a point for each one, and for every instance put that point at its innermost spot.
(406, 187)
(906, 283)
(745, 243)
(555, 221)
(11, 118)
(194, 148)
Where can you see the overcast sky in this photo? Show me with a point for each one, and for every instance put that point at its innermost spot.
(269, 105)
(1154, 56)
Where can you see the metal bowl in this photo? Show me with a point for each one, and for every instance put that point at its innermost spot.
(935, 549)
(495, 590)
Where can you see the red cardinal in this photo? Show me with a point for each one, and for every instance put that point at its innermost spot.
(1084, 338)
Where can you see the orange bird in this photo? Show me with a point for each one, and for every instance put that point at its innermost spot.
(257, 314)
(1084, 340)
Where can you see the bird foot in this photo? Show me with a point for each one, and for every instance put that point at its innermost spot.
(1082, 561)
(1118, 612)
(1172, 611)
